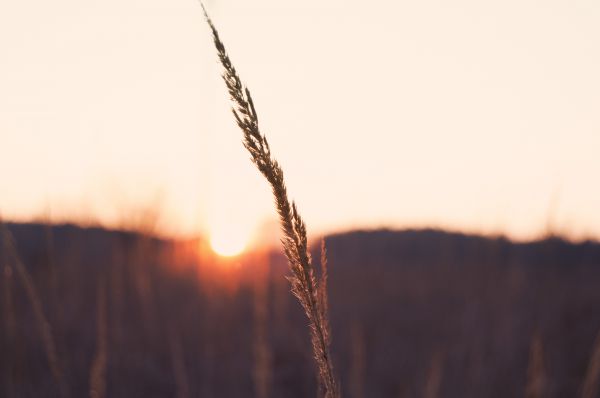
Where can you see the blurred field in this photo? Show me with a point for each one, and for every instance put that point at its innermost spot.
(414, 314)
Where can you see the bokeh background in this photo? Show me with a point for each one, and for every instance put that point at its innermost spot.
(447, 154)
(471, 116)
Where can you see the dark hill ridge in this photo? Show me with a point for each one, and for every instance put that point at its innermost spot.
(383, 246)
(429, 246)
(401, 303)
(476, 302)
(95, 244)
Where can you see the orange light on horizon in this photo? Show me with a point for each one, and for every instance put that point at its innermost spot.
(228, 243)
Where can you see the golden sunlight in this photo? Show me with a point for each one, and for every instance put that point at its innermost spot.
(228, 243)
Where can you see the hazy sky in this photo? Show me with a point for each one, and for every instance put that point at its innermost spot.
(474, 115)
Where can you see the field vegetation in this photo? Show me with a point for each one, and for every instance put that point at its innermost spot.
(413, 314)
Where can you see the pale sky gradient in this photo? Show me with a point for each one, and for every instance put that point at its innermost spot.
(471, 115)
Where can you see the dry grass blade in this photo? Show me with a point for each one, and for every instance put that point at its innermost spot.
(536, 374)
(36, 304)
(434, 376)
(592, 376)
(357, 364)
(295, 246)
(56, 309)
(8, 327)
(322, 294)
(98, 370)
(262, 351)
(178, 363)
(6, 273)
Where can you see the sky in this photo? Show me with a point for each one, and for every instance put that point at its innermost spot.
(469, 115)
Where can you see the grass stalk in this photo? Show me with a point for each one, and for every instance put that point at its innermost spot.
(536, 374)
(357, 364)
(99, 364)
(9, 333)
(38, 312)
(592, 375)
(434, 376)
(178, 363)
(295, 243)
(262, 350)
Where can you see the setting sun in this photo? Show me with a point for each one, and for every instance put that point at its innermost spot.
(228, 243)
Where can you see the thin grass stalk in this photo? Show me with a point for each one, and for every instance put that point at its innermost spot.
(434, 376)
(51, 262)
(178, 363)
(323, 299)
(36, 304)
(8, 311)
(295, 243)
(262, 350)
(98, 369)
(357, 365)
(116, 298)
(536, 374)
(592, 375)
(9, 335)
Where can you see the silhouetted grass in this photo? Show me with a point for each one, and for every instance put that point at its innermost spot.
(295, 242)
(592, 376)
(43, 325)
(99, 364)
(414, 295)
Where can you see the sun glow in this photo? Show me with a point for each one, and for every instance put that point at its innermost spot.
(228, 243)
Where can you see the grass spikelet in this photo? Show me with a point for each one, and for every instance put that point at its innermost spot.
(38, 312)
(295, 243)
(592, 375)
(98, 370)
